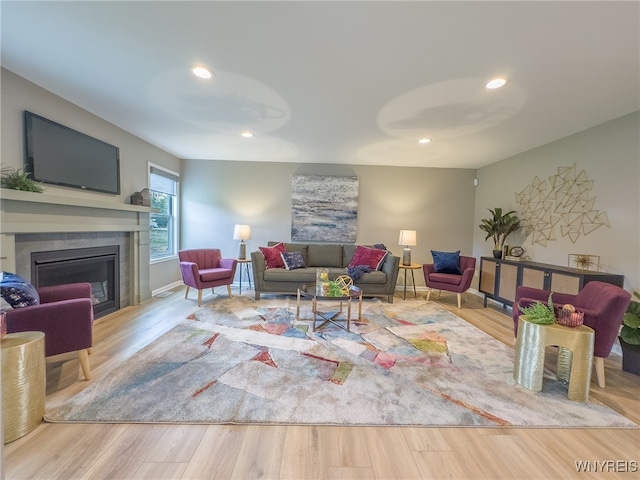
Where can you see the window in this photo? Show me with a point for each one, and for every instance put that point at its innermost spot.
(163, 190)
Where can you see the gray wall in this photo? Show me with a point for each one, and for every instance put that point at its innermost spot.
(437, 203)
(609, 154)
(19, 94)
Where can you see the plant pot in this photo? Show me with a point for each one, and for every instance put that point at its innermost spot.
(497, 254)
(630, 357)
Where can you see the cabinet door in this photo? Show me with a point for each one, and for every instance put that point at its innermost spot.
(488, 277)
(508, 282)
(565, 283)
(533, 277)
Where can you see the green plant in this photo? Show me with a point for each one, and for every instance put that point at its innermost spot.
(630, 331)
(540, 313)
(334, 289)
(499, 226)
(18, 179)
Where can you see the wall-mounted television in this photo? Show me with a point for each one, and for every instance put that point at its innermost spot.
(62, 156)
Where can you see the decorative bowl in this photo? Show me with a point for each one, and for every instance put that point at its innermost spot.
(568, 318)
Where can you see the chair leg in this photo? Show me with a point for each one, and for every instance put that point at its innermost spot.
(229, 290)
(186, 293)
(428, 293)
(459, 300)
(83, 355)
(599, 364)
(199, 297)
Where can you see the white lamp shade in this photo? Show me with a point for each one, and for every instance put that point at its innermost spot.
(408, 238)
(242, 232)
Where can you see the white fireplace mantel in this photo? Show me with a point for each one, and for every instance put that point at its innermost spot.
(34, 213)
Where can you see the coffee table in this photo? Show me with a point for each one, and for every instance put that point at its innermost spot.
(333, 316)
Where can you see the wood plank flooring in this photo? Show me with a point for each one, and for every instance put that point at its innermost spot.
(135, 451)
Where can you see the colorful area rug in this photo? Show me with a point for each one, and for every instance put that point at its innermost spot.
(244, 361)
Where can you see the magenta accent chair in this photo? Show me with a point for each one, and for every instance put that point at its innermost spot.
(448, 281)
(603, 305)
(65, 315)
(205, 268)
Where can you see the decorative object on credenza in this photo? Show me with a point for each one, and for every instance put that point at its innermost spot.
(18, 179)
(408, 239)
(498, 227)
(630, 337)
(141, 198)
(583, 261)
(566, 203)
(324, 208)
(242, 233)
(514, 254)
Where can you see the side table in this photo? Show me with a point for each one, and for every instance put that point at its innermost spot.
(412, 268)
(23, 383)
(246, 262)
(575, 356)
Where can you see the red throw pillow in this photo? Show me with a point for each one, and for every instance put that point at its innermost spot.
(372, 257)
(272, 256)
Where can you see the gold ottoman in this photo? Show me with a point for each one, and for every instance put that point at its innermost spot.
(23, 383)
(575, 356)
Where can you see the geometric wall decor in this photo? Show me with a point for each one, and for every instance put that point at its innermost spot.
(565, 204)
(324, 208)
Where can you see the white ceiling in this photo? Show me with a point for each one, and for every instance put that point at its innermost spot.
(335, 82)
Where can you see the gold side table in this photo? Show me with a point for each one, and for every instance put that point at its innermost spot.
(412, 267)
(24, 383)
(575, 356)
(246, 262)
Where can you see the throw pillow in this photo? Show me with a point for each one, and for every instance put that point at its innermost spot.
(446, 262)
(272, 256)
(292, 260)
(372, 257)
(17, 292)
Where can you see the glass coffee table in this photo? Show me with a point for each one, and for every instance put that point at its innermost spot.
(333, 316)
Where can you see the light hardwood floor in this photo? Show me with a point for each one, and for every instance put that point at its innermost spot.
(135, 451)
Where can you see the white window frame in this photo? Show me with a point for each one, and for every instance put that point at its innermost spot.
(170, 174)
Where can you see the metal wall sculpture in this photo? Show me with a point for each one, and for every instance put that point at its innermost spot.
(324, 208)
(565, 203)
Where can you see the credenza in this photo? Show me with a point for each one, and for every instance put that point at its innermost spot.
(499, 278)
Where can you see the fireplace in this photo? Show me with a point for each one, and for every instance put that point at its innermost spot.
(99, 266)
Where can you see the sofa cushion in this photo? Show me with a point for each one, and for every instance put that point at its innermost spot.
(325, 256)
(446, 262)
(272, 256)
(293, 260)
(372, 257)
(17, 292)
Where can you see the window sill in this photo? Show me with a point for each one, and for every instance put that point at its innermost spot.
(169, 258)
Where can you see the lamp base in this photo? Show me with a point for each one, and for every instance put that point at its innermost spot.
(242, 254)
(406, 256)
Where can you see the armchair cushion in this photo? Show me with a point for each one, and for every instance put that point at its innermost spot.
(17, 292)
(446, 262)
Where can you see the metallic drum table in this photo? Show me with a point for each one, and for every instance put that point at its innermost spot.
(575, 356)
(309, 291)
(23, 383)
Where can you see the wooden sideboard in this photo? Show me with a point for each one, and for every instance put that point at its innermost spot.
(500, 278)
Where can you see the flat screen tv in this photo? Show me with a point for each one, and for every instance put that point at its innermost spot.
(62, 156)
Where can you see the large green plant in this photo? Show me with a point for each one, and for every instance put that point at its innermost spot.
(499, 226)
(630, 331)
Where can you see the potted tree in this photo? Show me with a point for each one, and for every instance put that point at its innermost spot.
(630, 337)
(499, 226)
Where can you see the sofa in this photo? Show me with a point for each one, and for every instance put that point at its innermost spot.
(336, 258)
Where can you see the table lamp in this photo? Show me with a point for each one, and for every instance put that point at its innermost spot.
(408, 239)
(242, 233)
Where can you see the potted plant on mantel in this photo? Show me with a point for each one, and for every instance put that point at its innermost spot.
(499, 226)
(630, 337)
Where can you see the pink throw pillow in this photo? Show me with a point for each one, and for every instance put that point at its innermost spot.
(272, 256)
(371, 257)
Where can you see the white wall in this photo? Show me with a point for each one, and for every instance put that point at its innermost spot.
(609, 154)
(18, 94)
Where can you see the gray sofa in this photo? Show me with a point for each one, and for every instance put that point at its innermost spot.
(336, 258)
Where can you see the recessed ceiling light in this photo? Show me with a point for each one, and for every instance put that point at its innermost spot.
(247, 134)
(424, 140)
(496, 83)
(202, 72)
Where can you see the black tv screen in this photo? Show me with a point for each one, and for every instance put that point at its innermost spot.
(62, 156)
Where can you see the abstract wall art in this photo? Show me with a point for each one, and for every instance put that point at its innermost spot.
(324, 208)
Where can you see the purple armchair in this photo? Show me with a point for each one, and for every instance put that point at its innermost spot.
(205, 268)
(450, 282)
(603, 305)
(65, 315)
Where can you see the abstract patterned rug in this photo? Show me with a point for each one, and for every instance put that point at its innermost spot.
(244, 361)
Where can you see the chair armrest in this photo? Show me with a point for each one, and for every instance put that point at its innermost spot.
(190, 275)
(390, 267)
(467, 277)
(229, 263)
(428, 268)
(57, 293)
(258, 265)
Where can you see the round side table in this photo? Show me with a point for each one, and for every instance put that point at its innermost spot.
(406, 268)
(24, 383)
